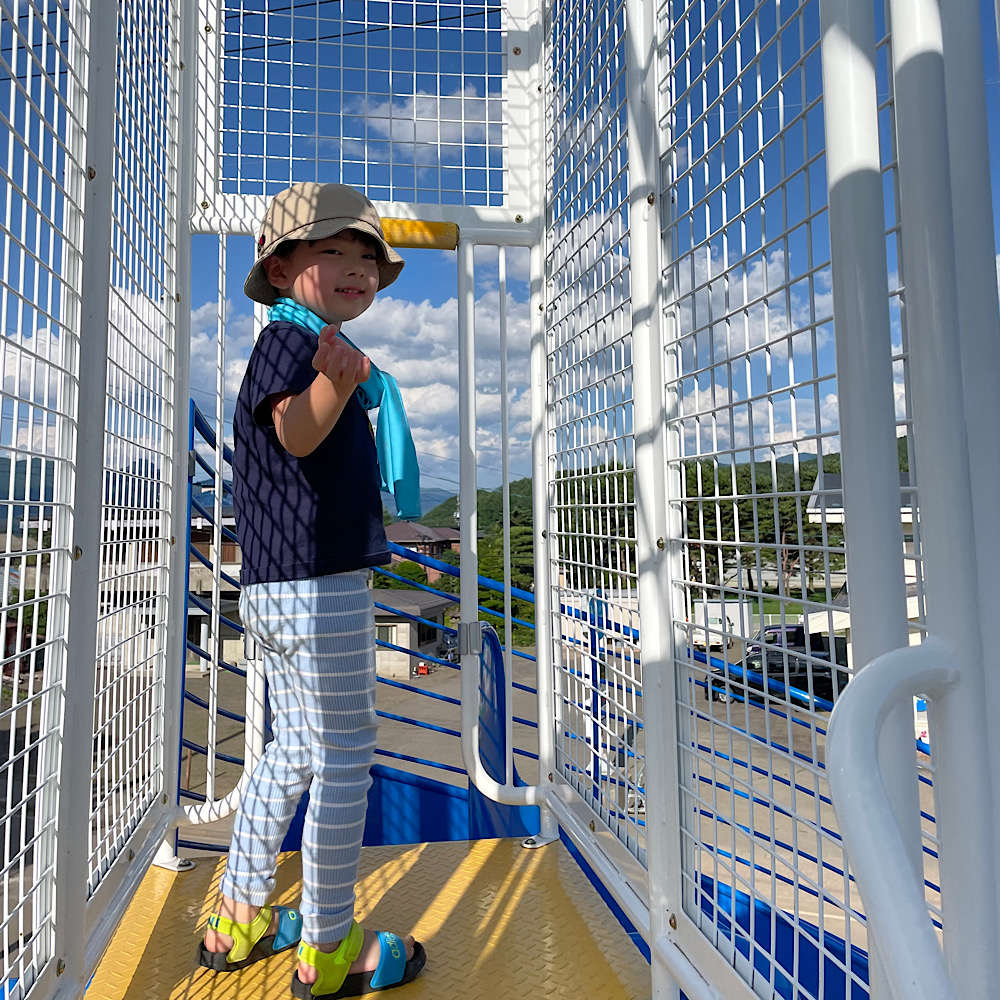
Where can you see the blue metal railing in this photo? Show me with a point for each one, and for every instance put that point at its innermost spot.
(740, 683)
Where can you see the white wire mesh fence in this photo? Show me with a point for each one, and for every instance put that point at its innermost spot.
(45, 79)
(410, 102)
(137, 527)
(42, 72)
(765, 646)
(591, 448)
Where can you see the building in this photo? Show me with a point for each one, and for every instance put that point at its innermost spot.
(427, 541)
(826, 502)
(394, 624)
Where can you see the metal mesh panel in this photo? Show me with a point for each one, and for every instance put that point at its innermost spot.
(592, 526)
(135, 540)
(41, 65)
(749, 293)
(403, 100)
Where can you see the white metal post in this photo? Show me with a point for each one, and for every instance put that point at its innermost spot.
(976, 274)
(544, 677)
(76, 768)
(215, 650)
(965, 811)
(866, 403)
(177, 426)
(468, 514)
(649, 419)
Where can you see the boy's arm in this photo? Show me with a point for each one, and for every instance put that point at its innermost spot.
(303, 421)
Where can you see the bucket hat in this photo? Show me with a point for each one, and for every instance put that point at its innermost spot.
(311, 211)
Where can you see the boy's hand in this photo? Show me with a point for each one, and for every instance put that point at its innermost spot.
(338, 361)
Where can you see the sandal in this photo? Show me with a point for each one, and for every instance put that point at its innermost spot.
(334, 981)
(251, 942)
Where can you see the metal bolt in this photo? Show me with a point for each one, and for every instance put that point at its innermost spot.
(660, 543)
(540, 307)
(182, 65)
(550, 777)
(60, 967)
(77, 552)
(545, 534)
(164, 798)
(530, 842)
(539, 88)
(519, 218)
(204, 205)
(673, 921)
(208, 29)
(173, 539)
(593, 829)
(91, 173)
(131, 855)
(651, 198)
(517, 50)
(177, 297)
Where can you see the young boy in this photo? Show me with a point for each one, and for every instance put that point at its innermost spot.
(309, 520)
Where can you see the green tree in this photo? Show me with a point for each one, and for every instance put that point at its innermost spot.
(448, 584)
(408, 569)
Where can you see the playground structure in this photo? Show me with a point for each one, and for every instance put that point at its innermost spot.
(761, 251)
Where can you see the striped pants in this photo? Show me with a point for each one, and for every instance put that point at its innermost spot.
(317, 638)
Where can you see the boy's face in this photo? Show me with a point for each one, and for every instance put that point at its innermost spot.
(336, 277)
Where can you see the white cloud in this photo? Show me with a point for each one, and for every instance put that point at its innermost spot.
(416, 342)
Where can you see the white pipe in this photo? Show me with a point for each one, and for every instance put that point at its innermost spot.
(176, 648)
(976, 273)
(662, 767)
(965, 810)
(508, 629)
(470, 635)
(215, 649)
(866, 400)
(544, 677)
(892, 889)
(72, 868)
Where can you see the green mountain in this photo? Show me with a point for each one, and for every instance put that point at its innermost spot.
(490, 507)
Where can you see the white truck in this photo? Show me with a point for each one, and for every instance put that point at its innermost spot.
(713, 627)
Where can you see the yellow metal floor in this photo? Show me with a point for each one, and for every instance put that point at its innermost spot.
(498, 921)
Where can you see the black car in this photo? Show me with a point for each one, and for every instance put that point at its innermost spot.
(791, 667)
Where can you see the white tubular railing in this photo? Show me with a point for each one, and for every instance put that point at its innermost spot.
(470, 631)
(893, 893)
(960, 724)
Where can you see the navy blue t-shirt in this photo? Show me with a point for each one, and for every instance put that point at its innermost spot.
(301, 517)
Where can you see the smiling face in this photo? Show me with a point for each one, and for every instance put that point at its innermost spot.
(335, 277)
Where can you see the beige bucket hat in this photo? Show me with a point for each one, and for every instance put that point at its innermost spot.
(311, 211)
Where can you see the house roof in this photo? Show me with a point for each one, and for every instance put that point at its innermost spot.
(828, 493)
(411, 602)
(414, 533)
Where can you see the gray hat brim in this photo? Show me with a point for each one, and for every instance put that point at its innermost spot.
(257, 286)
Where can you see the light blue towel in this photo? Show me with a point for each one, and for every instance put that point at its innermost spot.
(397, 458)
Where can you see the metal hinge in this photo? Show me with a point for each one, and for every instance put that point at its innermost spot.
(470, 638)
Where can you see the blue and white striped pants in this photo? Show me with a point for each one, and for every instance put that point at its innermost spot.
(317, 638)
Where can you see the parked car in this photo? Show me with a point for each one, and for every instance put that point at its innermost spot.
(796, 675)
(448, 647)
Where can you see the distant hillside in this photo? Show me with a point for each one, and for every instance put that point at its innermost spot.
(429, 500)
(490, 507)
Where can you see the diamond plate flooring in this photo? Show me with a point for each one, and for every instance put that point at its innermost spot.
(498, 921)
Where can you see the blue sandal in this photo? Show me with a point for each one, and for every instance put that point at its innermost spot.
(334, 981)
(251, 942)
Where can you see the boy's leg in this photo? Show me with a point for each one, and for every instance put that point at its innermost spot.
(283, 772)
(335, 684)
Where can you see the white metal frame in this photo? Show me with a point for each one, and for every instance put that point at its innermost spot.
(658, 351)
